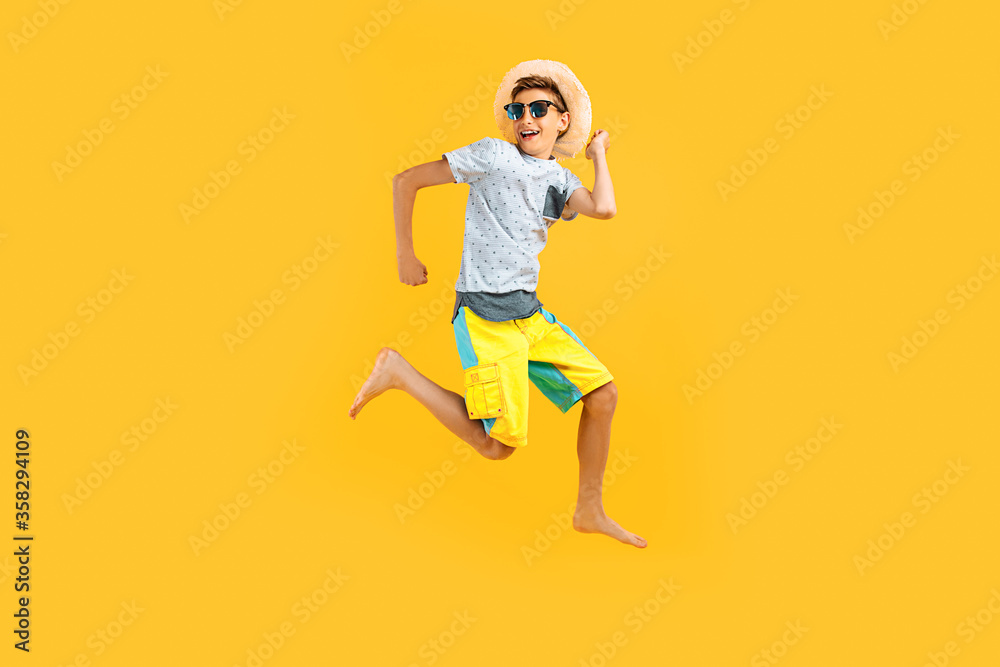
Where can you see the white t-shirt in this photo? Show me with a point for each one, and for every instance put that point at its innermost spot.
(513, 199)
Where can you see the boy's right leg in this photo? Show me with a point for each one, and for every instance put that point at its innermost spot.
(392, 371)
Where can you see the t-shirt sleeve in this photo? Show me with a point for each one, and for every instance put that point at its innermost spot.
(572, 183)
(470, 164)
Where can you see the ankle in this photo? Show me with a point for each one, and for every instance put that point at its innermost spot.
(589, 507)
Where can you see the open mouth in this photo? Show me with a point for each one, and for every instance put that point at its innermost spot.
(527, 135)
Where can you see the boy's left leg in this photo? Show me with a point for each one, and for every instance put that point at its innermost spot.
(593, 443)
(565, 371)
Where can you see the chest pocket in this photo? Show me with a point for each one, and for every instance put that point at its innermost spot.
(555, 201)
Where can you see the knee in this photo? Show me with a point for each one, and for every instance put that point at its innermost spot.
(493, 449)
(499, 451)
(603, 399)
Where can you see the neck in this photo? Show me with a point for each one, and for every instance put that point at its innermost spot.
(549, 151)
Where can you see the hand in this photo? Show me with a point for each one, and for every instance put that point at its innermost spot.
(411, 270)
(599, 143)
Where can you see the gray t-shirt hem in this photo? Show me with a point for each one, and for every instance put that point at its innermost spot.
(498, 307)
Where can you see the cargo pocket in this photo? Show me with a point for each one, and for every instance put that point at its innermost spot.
(483, 397)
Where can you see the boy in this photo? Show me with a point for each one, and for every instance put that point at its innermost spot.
(504, 336)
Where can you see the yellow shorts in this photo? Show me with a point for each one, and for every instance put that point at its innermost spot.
(500, 357)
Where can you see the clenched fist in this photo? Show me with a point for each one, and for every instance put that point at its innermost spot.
(411, 270)
(599, 143)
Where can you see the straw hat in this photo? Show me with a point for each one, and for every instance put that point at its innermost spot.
(573, 93)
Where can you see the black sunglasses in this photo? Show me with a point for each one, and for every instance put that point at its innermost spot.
(538, 109)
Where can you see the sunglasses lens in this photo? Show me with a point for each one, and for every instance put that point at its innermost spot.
(514, 111)
(539, 109)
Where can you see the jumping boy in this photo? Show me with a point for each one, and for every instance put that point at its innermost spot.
(504, 336)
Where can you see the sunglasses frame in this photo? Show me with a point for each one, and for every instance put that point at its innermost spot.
(547, 103)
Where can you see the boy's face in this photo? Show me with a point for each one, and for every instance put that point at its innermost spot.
(548, 126)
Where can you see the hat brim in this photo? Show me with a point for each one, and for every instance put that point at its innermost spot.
(573, 93)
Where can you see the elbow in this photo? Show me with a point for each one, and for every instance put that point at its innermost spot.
(604, 209)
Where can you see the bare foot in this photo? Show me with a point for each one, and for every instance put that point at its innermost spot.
(384, 376)
(598, 522)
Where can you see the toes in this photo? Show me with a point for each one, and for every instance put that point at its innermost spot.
(359, 402)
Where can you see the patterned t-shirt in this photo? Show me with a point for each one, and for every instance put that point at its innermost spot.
(513, 199)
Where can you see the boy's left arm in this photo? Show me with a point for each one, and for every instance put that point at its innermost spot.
(601, 202)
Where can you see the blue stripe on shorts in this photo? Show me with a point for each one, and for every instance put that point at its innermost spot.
(551, 382)
(467, 353)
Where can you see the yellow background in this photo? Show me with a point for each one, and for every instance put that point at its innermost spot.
(676, 132)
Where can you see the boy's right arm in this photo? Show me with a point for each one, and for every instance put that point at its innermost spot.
(404, 192)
